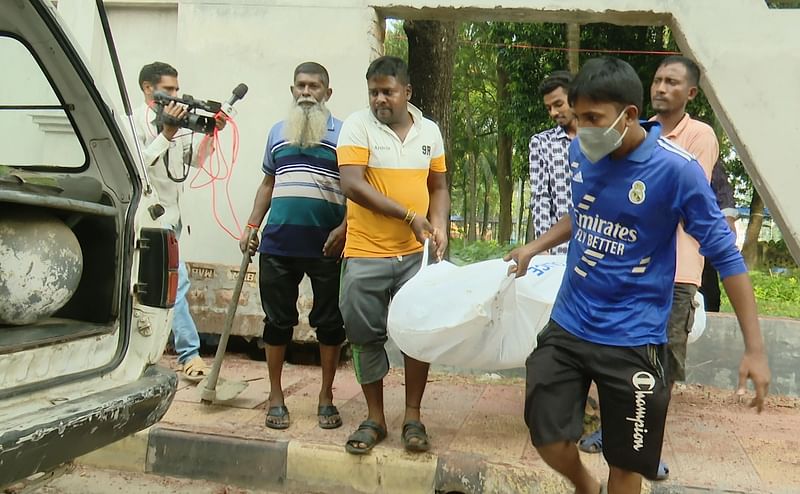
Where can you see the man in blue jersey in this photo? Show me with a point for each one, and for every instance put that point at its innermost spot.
(630, 189)
(304, 235)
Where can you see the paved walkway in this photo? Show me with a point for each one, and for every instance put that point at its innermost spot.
(713, 442)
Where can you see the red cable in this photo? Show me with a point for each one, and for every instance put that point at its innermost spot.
(214, 169)
(217, 168)
(579, 50)
(234, 158)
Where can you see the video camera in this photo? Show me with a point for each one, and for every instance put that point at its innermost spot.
(192, 120)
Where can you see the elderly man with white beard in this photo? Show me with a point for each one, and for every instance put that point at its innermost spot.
(304, 235)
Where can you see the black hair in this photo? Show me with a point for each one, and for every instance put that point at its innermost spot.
(557, 79)
(153, 72)
(389, 67)
(315, 69)
(692, 70)
(608, 80)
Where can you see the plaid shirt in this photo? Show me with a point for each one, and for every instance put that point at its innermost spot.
(551, 194)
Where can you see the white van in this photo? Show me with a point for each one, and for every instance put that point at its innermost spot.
(87, 273)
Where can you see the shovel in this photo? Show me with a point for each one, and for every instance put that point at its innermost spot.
(214, 388)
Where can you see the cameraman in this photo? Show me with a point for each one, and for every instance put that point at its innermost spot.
(165, 145)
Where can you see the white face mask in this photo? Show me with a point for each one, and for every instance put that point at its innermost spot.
(596, 142)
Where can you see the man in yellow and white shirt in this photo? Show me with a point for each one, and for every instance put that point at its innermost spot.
(392, 170)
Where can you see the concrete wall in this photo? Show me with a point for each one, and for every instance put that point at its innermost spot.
(714, 358)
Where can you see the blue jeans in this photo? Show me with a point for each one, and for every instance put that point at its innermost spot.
(184, 332)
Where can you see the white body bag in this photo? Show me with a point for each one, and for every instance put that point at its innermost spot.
(476, 316)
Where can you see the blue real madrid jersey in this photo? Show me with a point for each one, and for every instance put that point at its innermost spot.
(617, 289)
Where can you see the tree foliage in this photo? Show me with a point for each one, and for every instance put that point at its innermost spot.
(496, 108)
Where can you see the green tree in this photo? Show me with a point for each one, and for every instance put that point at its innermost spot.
(474, 117)
(496, 106)
(520, 111)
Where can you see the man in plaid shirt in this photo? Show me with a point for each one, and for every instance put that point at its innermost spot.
(549, 166)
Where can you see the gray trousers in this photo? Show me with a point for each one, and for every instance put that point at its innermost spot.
(368, 285)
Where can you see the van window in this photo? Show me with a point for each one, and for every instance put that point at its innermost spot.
(34, 127)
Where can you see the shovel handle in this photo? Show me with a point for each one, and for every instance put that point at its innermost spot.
(209, 392)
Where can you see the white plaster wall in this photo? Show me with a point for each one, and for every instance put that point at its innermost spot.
(260, 45)
(142, 35)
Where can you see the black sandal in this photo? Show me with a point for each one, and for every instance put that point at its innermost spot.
(413, 429)
(328, 417)
(279, 412)
(369, 433)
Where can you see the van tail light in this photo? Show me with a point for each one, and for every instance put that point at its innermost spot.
(157, 284)
(172, 267)
(172, 288)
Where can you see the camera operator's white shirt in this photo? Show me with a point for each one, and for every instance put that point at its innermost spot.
(182, 149)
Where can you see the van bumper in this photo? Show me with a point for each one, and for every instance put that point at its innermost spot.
(58, 434)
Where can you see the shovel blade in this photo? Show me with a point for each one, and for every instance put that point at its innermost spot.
(226, 390)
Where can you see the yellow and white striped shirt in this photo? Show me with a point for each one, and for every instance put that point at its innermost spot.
(397, 169)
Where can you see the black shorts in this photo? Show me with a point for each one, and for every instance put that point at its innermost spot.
(632, 387)
(278, 283)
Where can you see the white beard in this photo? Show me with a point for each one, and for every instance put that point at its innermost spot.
(305, 126)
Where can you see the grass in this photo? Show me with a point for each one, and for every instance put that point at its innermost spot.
(462, 253)
(777, 295)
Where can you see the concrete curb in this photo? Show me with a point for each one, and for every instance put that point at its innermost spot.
(294, 466)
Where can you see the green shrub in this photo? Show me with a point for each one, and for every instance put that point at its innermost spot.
(777, 295)
(462, 253)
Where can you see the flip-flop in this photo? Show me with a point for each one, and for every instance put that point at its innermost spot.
(279, 412)
(413, 429)
(328, 417)
(194, 370)
(593, 443)
(369, 433)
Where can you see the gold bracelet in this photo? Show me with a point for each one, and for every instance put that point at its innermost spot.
(410, 215)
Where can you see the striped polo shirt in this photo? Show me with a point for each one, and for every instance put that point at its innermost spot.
(307, 201)
(397, 169)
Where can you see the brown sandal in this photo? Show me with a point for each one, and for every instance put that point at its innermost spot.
(280, 414)
(413, 429)
(368, 433)
(328, 417)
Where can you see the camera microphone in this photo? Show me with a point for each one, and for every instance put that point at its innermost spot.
(238, 93)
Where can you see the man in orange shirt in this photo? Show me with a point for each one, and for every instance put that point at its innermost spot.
(675, 84)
